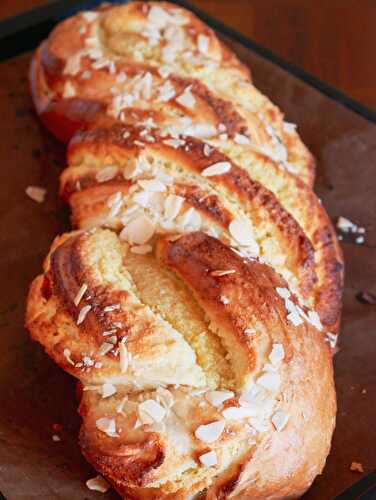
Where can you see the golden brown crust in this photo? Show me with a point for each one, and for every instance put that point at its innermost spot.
(76, 100)
(321, 269)
(163, 462)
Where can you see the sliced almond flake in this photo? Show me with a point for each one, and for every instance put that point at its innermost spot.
(112, 307)
(108, 390)
(98, 483)
(331, 338)
(216, 398)
(124, 358)
(203, 44)
(139, 231)
(107, 173)
(82, 314)
(270, 381)
(225, 300)
(166, 91)
(219, 168)
(175, 143)
(277, 354)
(121, 77)
(86, 75)
(108, 426)
(80, 294)
(210, 432)
(73, 65)
(174, 237)
(289, 128)
(105, 348)
(283, 292)
(163, 71)
(67, 354)
(89, 16)
(201, 130)
(114, 199)
(242, 231)
(141, 249)
(112, 340)
(241, 139)
(88, 361)
(235, 413)
(249, 331)
(223, 272)
(314, 319)
(187, 99)
(294, 318)
(209, 459)
(191, 219)
(158, 17)
(36, 193)
(153, 409)
(346, 225)
(172, 206)
(207, 150)
(165, 396)
(56, 438)
(69, 90)
(130, 171)
(153, 185)
(223, 137)
(280, 419)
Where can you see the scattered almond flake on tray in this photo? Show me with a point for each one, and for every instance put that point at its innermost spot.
(210, 432)
(36, 193)
(356, 467)
(366, 297)
(56, 438)
(98, 483)
(222, 167)
(346, 226)
(209, 459)
(80, 294)
(82, 314)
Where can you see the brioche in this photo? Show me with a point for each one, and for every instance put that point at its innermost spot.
(196, 295)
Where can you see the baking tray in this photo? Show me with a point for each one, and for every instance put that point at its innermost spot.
(37, 399)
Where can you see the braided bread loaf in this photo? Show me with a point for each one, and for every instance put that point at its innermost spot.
(194, 300)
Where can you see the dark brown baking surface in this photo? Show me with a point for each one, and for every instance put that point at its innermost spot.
(35, 394)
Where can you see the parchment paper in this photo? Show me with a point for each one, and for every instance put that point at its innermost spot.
(37, 400)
